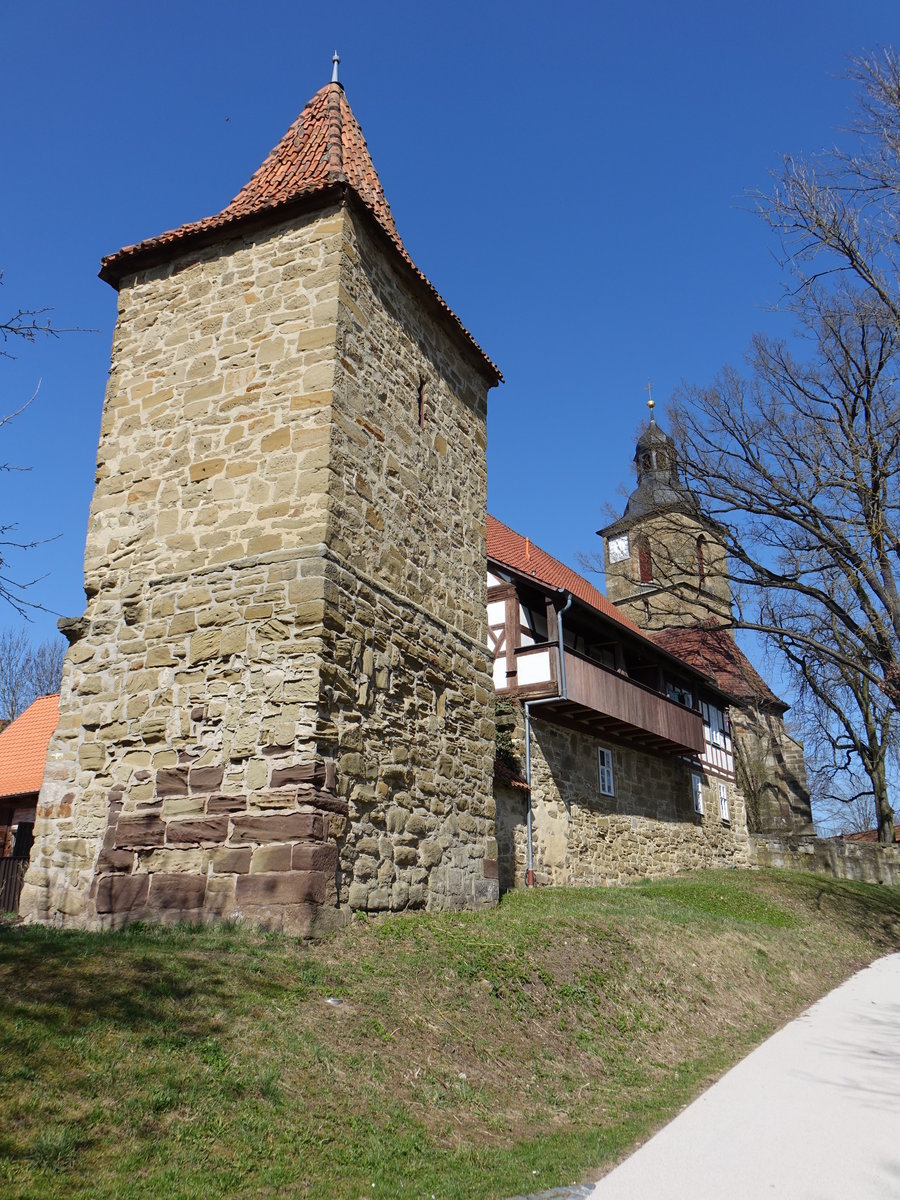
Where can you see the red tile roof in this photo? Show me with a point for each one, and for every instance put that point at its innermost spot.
(507, 775)
(716, 653)
(868, 835)
(23, 747)
(519, 553)
(324, 149)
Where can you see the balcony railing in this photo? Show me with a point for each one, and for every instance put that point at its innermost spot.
(607, 704)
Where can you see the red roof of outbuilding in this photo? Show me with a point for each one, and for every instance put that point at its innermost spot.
(23, 747)
(323, 149)
(519, 553)
(716, 653)
(868, 835)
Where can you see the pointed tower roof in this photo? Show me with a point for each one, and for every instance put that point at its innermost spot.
(321, 157)
(659, 486)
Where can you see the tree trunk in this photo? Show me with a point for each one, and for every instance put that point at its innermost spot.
(883, 806)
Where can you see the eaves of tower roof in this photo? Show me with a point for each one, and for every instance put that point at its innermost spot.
(322, 157)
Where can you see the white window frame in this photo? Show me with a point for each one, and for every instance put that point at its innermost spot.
(697, 790)
(605, 765)
(723, 803)
(716, 725)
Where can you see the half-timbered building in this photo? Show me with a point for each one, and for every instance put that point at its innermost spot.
(618, 753)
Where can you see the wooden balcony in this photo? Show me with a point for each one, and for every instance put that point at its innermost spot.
(609, 705)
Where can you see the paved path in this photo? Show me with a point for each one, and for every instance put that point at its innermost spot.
(812, 1114)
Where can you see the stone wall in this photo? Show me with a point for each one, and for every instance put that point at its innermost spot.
(647, 829)
(407, 697)
(772, 771)
(255, 610)
(865, 862)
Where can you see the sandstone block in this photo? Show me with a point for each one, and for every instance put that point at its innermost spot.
(92, 756)
(206, 779)
(315, 856)
(278, 827)
(205, 470)
(235, 861)
(281, 887)
(176, 891)
(172, 781)
(226, 804)
(271, 858)
(193, 833)
(139, 833)
(307, 772)
(122, 893)
(204, 645)
(430, 854)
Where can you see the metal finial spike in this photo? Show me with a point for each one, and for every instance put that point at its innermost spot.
(651, 403)
(335, 58)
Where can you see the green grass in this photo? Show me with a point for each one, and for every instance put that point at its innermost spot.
(473, 1055)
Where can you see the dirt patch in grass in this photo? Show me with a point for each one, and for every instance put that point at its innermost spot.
(466, 1053)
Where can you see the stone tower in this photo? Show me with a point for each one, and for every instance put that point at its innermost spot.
(665, 560)
(275, 706)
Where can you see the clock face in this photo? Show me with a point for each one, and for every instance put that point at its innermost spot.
(618, 548)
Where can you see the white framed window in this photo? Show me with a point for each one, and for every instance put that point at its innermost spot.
(697, 789)
(715, 721)
(723, 802)
(607, 782)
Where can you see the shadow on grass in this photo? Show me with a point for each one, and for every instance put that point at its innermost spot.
(865, 910)
(166, 985)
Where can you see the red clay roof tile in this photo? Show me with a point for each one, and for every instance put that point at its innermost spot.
(23, 747)
(324, 148)
(507, 775)
(716, 653)
(513, 550)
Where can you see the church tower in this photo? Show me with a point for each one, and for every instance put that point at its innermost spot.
(666, 569)
(274, 707)
(665, 560)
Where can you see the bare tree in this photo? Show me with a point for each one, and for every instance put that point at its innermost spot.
(798, 457)
(23, 325)
(45, 664)
(842, 804)
(26, 670)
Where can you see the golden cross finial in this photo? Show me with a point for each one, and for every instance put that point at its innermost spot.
(651, 403)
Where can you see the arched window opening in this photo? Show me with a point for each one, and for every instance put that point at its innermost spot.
(701, 558)
(645, 560)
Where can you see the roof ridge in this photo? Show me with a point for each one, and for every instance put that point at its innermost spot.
(335, 142)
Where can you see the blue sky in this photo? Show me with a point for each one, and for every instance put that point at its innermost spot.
(569, 177)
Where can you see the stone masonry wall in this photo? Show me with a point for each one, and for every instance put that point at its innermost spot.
(676, 596)
(773, 772)
(647, 829)
(406, 697)
(183, 779)
(866, 862)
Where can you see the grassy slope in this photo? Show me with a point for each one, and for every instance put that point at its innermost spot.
(474, 1055)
